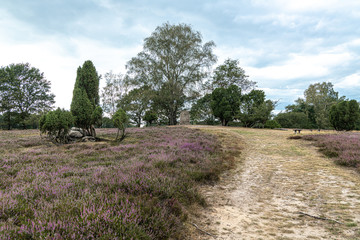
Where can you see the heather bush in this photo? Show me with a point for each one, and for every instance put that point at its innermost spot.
(135, 189)
(343, 148)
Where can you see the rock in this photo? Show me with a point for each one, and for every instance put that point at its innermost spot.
(184, 118)
(88, 139)
(79, 130)
(75, 134)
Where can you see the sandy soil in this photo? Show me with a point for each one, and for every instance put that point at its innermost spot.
(273, 182)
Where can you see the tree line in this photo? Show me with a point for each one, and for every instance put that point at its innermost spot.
(171, 73)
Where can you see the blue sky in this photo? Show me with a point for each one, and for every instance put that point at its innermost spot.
(283, 45)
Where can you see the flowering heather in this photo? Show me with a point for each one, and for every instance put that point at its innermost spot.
(344, 148)
(136, 189)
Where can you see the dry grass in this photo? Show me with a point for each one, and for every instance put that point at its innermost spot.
(274, 179)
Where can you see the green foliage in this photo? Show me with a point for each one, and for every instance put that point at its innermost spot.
(150, 117)
(107, 123)
(201, 111)
(173, 62)
(344, 115)
(254, 109)
(120, 120)
(230, 73)
(272, 124)
(56, 124)
(85, 103)
(293, 120)
(23, 91)
(136, 102)
(322, 96)
(305, 120)
(81, 108)
(225, 103)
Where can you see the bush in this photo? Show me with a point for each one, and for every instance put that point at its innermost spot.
(56, 124)
(120, 120)
(272, 124)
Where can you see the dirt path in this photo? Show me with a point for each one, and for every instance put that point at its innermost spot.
(274, 179)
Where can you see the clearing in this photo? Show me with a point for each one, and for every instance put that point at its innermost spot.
(276, 189)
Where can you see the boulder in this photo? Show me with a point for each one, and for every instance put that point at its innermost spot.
(75, 134)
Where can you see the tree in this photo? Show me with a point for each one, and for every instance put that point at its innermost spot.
(344, 115)
(173, 61)
(225, 103)
(116, 87)
(23, 91)
(136, 102)
(150, 117)
(201, 110)
(230, 73)
(255, 109)
(305, 120)
(120, 120)
(322, 96)
(85, 103)
(56, 124)
(293, 120)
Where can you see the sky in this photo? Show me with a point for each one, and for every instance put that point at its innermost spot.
(283, 45)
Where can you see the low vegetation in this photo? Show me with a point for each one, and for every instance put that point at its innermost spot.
(136, 189)
(343, 148)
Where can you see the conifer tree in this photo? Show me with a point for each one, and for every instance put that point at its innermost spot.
(85, 103)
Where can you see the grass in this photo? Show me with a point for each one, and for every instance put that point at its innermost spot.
(137, 189)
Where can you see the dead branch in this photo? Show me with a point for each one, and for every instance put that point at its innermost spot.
(214, 236)
(320, 218)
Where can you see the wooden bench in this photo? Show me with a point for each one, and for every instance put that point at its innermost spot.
(297, 130)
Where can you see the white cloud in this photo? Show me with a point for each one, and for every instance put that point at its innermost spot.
(351, 81)
(57, 56)
(309, 5)
(301, 66)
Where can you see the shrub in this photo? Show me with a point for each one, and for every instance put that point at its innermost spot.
(120, 120)
(272, 124)
(56, 124)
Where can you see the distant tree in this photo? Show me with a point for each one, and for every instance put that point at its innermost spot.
(297, 120)
(255, 109)
(136, 102)
(172, 62)
(201, 110)
(56, 124)
(344, 115)
(322, 96)
(23, 91)
(85, 103)
(230, 73)
(107, 122)
(225, 103)
(293, 120)
(272, 124)
(120, 120)
(150, 117)
(116, 87)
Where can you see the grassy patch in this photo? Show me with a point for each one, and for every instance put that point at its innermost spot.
(137, 189)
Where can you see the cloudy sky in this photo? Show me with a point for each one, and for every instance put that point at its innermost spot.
(283, 45)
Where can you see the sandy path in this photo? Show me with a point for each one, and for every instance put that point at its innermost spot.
(275, 179)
